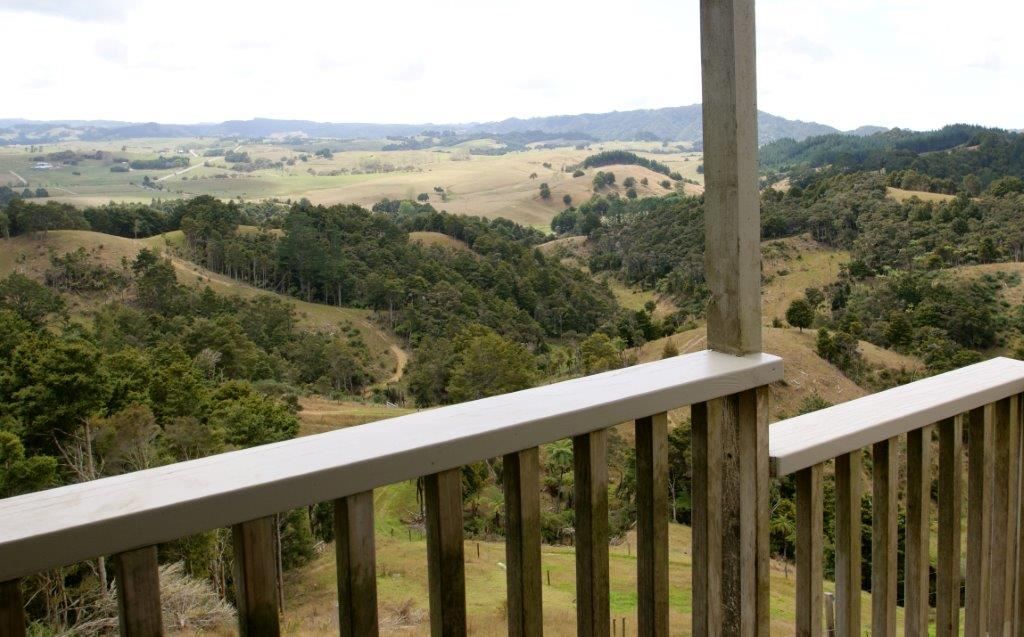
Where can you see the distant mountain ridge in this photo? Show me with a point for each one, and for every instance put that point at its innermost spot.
(673, 123)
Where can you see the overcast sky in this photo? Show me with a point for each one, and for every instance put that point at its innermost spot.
(908, 63)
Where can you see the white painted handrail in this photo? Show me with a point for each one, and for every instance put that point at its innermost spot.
(804, 441)
(77, 522)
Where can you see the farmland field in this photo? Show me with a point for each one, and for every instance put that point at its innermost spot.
(357, 172)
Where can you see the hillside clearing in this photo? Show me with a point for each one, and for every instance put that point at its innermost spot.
(438, 239)
(792, 265)
(901, 195)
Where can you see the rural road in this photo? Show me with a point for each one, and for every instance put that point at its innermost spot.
(183, 170)
(22, 179)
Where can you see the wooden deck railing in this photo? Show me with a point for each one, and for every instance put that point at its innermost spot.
(127, 516)
(986, 400)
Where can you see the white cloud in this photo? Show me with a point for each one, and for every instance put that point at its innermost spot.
(912, 63)
(85, 10)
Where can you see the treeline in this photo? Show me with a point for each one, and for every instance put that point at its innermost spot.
(623, 157)
(18, 216)
(969, 157)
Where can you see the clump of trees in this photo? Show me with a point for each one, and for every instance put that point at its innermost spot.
(623, 157)
(160, 163)
(603, 180)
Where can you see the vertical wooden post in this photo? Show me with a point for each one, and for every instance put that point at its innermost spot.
(809, 535)
(883, 539)
(521, 477)
(849, 486)
(355, 554)
(445, 559)
(1000, 523)
(590, 475)
(947, 604)
(732, 265)
(706, 519)
(732, 261)
(979, 511)
(256, 577)
(12, 609)
(742, 429)
(919, 497)
(652, 524)
(138, 592)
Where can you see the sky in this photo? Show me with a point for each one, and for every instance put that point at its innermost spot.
(910, 63)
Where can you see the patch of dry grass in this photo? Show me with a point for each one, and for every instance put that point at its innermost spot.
(904, 195)
(438, 239)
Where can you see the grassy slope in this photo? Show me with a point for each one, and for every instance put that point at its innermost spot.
(31, 256)
(1012, 294)
(791, 266)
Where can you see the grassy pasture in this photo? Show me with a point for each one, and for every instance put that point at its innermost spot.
(485, 185)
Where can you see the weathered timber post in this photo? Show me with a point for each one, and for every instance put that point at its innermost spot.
(731, 554)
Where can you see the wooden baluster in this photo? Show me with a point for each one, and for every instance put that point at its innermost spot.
(256, 577)
(521, 476)
(917, 561)
(355, 553)
(1012, 508)
(138, 592)
(744, 592)
(830, 614)
(590, 475)
(706, 519)
(652, 524)
(809, 535)
(1019, 578)
(998, 554)
(849, 479)
(979, 512)
(883, 539)
(947, 604)
(12, 609)
(445, 559)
